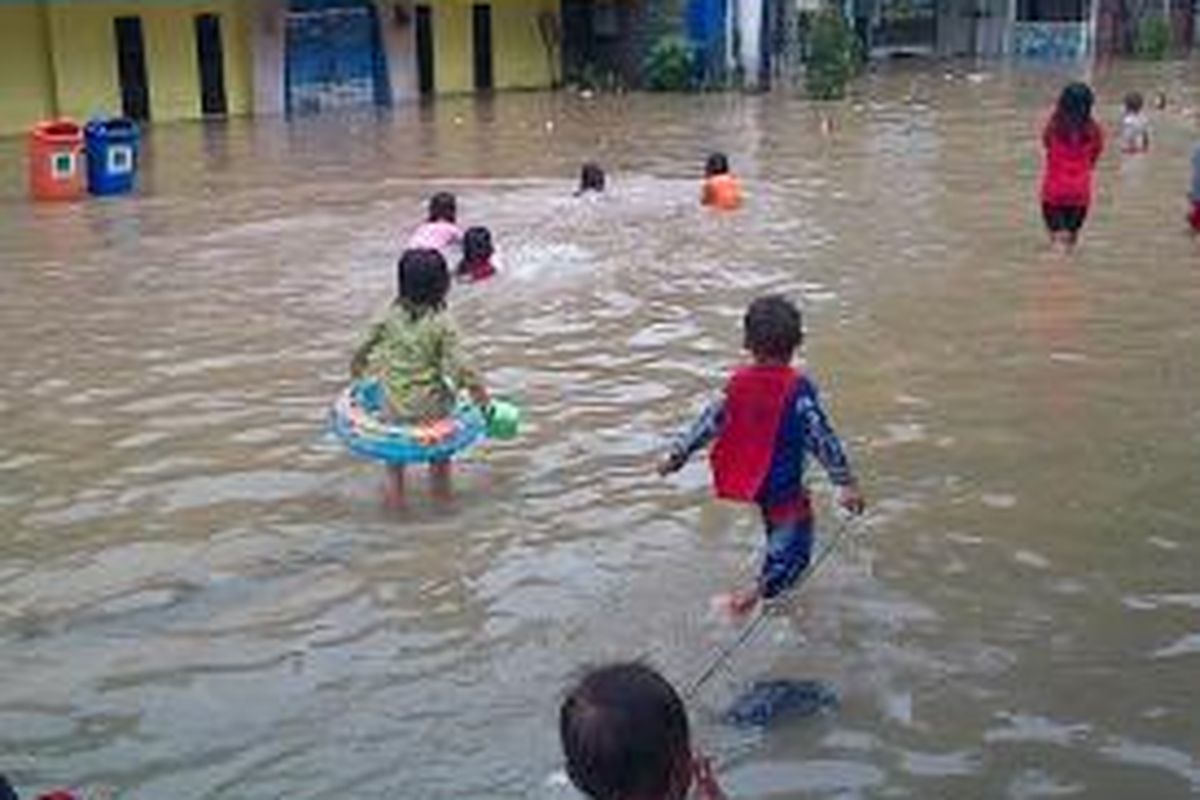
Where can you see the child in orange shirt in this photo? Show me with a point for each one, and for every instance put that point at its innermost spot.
(721, 189)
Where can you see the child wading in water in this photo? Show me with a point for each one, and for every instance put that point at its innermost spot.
(1073, 143)
(440, 231)
(1135, 127)
(476, 264)
(721, 188)
(414, 352)
(766, 425)
(624, 732)
(591, 179)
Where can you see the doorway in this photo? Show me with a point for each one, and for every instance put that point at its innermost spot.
(481, 36)
(425, 74)
(131, 68)
(210, 55)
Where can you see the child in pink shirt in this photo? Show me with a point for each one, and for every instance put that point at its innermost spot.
(441, 231)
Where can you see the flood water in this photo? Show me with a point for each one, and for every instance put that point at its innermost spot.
(201, 597)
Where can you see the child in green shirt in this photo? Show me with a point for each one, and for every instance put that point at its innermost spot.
(414, 352)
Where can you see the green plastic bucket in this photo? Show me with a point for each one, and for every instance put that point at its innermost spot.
(503, 420)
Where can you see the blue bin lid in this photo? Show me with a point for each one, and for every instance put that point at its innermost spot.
(112, 128)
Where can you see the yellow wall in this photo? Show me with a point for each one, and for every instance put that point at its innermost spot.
(26, 91)
(85, 61)
(518, 54)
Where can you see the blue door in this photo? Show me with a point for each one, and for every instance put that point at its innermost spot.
(334, 59)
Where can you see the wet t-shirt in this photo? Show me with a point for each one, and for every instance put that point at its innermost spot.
(418, 360)
(1067, 180)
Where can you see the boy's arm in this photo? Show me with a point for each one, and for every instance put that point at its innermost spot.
(827, 448)
(698, 435)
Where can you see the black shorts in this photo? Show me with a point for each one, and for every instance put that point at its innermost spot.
(1064, 218)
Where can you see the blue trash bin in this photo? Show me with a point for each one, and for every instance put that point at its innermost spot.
(112, 155)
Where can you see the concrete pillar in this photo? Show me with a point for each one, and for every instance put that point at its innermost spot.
(268, 45)
(398, 38)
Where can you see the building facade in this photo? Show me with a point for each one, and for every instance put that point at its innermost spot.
(189, 59)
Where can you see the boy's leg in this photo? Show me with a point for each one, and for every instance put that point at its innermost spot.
(439, 479)
(789, 549)
(393, 485)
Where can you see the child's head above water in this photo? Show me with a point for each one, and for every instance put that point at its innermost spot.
(443, 207)
(591, 178)
(624, 733)
(772, 329)
(717, 164)
(1134, 102)
(422, 281)
(477, 245)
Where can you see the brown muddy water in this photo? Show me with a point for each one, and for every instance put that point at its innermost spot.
(200, 596)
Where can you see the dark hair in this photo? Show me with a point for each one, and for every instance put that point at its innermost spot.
(1134, 102)
(717, 164)
(422, 281)
(591, 178)
(1072, 118)
(624, 733)
(772, 328)
(477, 246)
(443, 208)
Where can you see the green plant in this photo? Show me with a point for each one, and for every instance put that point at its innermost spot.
(1153, 38)
(834, 56)
(671, 65)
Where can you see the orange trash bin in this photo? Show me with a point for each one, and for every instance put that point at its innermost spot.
(55, 160)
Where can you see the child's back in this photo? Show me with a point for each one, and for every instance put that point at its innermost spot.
(440, 231)
(721, 188)
(414, 351)
(1135, 126)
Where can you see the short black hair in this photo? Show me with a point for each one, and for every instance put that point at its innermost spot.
(443, 207)
(477, 244)
(717, 164)
(624, 733)
(591, 178)
(772, 328)
(422, 281)
(1134, 102)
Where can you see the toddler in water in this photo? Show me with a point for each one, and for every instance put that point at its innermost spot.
(721, 188)
(441, 230)
(1073, 143)
(624, 733)
(766, 425)
(476, 264)
(591, 179)
(414, 352)
(1135, 127)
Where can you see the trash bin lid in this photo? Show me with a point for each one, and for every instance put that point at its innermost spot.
(63, 131)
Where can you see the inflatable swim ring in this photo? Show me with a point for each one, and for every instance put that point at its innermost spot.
(356, 420)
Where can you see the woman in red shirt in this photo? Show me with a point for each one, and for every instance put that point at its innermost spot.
(1073, 144)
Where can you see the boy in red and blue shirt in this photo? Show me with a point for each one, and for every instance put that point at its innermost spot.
(765, 426)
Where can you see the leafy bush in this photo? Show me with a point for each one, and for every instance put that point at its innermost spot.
(1153, 38)
(833, 56)
(671, 65)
